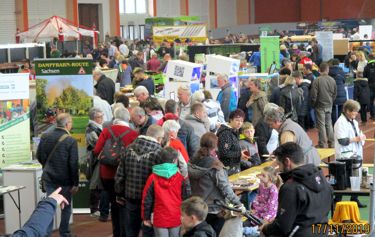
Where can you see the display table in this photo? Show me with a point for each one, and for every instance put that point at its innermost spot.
(27, 174)
(325, 153)
(8, 190)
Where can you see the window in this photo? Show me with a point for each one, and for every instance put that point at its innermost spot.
(131, 32)
(132, 6)
(142, 32)
(122, 31)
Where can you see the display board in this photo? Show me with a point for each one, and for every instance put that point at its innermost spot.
(269, 52)
(325, 39)
(192, 32)
(365, 30)
(65, 85)
(14, 119)
(340, 46)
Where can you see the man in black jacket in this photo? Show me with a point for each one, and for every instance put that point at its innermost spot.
(304, 198)
(105, 87)
(369, 73)
(58, 154)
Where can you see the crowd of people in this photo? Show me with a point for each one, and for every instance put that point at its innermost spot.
(160, 167)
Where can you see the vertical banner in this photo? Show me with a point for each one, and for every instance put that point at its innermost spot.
(14, 119)
(269, 52)
(65, 86)
(325, 39)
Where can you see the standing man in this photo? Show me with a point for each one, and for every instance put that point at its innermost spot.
(105, 87)
(226, 97)
(369, 73)
(132, 175)
(58, 154)
(323, 94)
(304, 198)
(184, 101)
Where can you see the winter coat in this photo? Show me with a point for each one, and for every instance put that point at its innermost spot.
(92, 134)
(163, 194)
(229, 150)
(275, 94)
(62, 167)
(199, 126)
(245, 94)
(134, 170)
(105, 89)
(209, 181)
(338, 74)
(323, 92)
(263, 134)
(291, 98)
(304, 199)
(142, 130)
(304, 107)
(188, 138)
(201, 230)
(257, 103)
(214, 113)
(227, 100)
(361, 91)
(148, 83)
(125, 75)
(106, 171)
(369, 73)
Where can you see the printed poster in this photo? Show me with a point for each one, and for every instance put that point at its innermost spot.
(65, 86)
(325, 39)
(14, 119)
(269, 52)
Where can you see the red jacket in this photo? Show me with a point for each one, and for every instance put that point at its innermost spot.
(108, 172)
(178, 146)
(163, 197)
(166, 117)
(153, 64)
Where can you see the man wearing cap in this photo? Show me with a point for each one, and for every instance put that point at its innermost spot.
(140, 79)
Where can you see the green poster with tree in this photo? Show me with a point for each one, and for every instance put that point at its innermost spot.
(66, 86)
(269, 52)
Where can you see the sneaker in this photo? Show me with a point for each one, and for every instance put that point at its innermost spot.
(95, 214)
(103, 218)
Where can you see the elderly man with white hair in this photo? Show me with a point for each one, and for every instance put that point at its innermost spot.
(141, 120)
(141, 93)
(184, 100)
(226, 96)
(105, 87)
(121, 130)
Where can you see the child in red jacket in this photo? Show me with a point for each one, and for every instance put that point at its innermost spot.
(163, 194)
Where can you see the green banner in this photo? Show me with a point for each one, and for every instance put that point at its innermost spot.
(63, 67)
(269, 52)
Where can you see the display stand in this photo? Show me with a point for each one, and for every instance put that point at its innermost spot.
(180, 73)
(26, 174)
(223, 65)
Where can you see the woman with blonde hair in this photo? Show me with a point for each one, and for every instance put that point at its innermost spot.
(291, 98)
(362, 61)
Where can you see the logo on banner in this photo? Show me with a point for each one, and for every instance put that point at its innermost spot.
(81, 71)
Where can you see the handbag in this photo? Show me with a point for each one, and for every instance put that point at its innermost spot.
(41, 181)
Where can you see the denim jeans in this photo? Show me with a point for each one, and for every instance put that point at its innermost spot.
(109, 187)
(104, 203)
(65, 213)
(372, 101)
(133, 217)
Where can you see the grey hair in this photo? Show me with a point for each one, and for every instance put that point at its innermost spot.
(273, 113)
(93, 113)
(155, 131)
(257, 83)
(121, 114)
(184, 88)
(116, 106)
(62, 120)
(139, 90)
(198, 96)
(223, 76)
(139, 111)
(171, 125)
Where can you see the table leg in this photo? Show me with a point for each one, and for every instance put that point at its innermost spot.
(19, 208)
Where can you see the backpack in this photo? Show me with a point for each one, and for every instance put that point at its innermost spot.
(293, 101)
(113, 149)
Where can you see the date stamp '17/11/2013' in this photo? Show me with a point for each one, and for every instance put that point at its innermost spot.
(345, 228)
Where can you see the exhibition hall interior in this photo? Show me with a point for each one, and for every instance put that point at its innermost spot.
(187, 118)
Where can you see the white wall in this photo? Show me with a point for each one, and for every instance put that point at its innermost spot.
(8, 26)
(104, 19)
(200, 8)
(226, 13)
(168, 8)
(40, 10)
